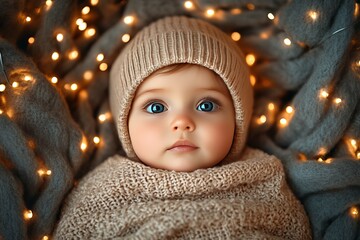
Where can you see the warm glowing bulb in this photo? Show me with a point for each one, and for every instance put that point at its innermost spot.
(289, 109)
(252, 80)
(320, 159)
(1, 111)
(100, 57)
(235, 36)
(79, 21)
(271, 16)
(236, 11)
(28, 19)
(85, 10)
(354, 212)
(55, 56)
(31, 40)
(357, 63)
(324, 93)
(283, 121)
(74, 87)
(129, 20)
(73, 54)
(28, 214)
(94, 2)
(2, 87)
(287, 41)
(188, 5)
(337, 100)
(261, 119)
(82, 26)
(313, 15)
(103, 67)
(96, 140)
(210, 12)
(353, 143)
(250, 59)
(358, 155)
(83, 145)
(45, 238)
(250, 6)
(88, 75)
(54, 80)
(125, 38)
(15, 84)
(271, 106)
(48, 3)
(102, 117)
(90, 32)
(59, 37)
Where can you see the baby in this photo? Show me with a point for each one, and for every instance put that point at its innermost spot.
(182, 102)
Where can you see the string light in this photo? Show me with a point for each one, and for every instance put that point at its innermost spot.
(90, 32)
(252, 80)
(357, 63)
(210, 12)
(2, 87)
(188, 5)
(125, 38)
(44, 172)
(262, 119)
(82, 26)
(337, 101)
(236, 36)
(320, 159)
(59, 37)
(100, 57)
(74, 87)
(88, 75)
(322, 151)
(324, 93)
(103, 117)
(283, 121)
(31, 40)
(94, 2)
(28, 19)
(287, 41)
(354, 212)
(313, 15)
(289, 109)
(15, 84)
(45, 238)
(83, 145)
(54, 80)
(129, 20)
(250, 6)
(353, 143)
(28, 214)
(1, 111)
(85, 10)
(357, 154)
(250, 59)
(55, 56)
(103, 67)
(271, 106)
(271, 16)
(96, 140)
(236, 11)
(79, 21)
(48, 3)
(73, 54)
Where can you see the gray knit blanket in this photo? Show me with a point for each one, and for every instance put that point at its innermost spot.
(246, 199)
(55, 124)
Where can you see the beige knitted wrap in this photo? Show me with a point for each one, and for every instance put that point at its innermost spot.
(246, 199)
(174, 40)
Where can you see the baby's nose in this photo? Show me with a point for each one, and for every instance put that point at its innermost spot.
(183, 123)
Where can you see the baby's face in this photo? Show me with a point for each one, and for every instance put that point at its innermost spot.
(182, 120)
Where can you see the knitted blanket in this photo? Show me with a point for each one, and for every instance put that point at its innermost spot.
(244, 199)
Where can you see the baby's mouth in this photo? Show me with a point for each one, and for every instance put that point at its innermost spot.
(182, 146)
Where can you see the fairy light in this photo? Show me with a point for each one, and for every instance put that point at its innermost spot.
(54, 80)
(287, 41)
(44, 172)
(283, 121)
(210, 12)
(353, 143)
(45, 238)
(125, 38)
(357, 63)
(320, 159)
(55, 56)
(354, 212)
(100, 57)
(324, 93)
(89, 32)
(84, 94)
(82, 26)
(88, 75)
(236, 11)
(2, 87)
(73, 54)
(262, 119)
(15, 84)
(271, 106)
(103, 117)
(250, 6)
(59, 37)
(235, 36)
(74, 87)
(250, 59)
(48, 3)
(313, 15)
(271, 16)
(129, 20)
(83, 145)
(31, 40)
(85, 10)
(94, 2)
(79, 21)
(357, 155)
(252, 80)
(96, 140)
(188, 5)
(28, 19)
(357, 9)
(289, 109)
(337, 101)
(28, 214)
(1, 111)
(322, 151)
(103, 67)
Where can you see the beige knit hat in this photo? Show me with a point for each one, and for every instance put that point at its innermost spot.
(174, 40)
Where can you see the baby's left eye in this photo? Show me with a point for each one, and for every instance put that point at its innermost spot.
(207, 106)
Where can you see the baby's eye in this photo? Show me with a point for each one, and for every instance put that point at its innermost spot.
(207, 106)
(155, 108)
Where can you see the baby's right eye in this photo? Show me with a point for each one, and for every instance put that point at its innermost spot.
(155, 108)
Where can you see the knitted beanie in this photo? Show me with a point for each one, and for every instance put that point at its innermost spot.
(173, 40)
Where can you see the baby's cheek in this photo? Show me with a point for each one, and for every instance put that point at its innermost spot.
(219, 138)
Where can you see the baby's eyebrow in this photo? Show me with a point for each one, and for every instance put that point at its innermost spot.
(152, 90)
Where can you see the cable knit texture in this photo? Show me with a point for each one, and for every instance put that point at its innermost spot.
(244, 199)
